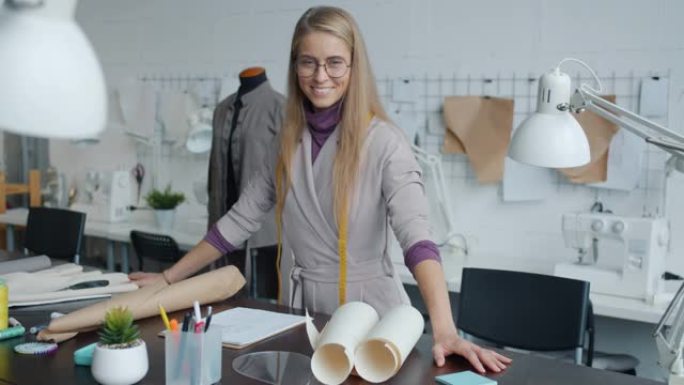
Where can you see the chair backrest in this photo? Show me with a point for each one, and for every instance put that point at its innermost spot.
(32, 189)
(57, 233)
(524, 310)
(154, 246)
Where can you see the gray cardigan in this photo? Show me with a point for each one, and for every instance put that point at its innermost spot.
(389, 191)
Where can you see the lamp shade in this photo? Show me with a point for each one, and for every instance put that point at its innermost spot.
(551, 137)
(51, 82)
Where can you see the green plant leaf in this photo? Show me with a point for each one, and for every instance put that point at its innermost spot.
(118, 327)
(164, 199)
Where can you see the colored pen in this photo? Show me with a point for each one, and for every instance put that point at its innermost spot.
(199, 326)
(164, 317)
(208, 321)
(198, 313)
(173, 324)
(186, 321)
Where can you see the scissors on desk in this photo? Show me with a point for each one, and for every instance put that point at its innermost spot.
(139, 174)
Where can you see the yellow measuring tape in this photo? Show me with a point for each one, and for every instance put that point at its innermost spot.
(279, 232)
(342, 249)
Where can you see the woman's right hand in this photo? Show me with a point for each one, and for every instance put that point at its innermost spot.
(143, 279)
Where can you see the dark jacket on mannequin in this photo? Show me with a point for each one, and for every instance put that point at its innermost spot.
(244, 126)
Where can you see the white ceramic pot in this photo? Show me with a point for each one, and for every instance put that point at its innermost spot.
(120, 366)
(165, 219)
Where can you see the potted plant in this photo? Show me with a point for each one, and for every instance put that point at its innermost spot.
(120, 357)
(164, 203)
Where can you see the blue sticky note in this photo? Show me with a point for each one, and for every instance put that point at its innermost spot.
(464, 378)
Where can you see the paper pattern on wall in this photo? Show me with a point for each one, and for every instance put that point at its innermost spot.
(599, 132)
(483, 127)
(625, 160)
(175, 107)
(653, 97)
(404, 118)
(404, 91)
(138, 106)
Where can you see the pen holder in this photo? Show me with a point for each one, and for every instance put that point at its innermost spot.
(193, 358)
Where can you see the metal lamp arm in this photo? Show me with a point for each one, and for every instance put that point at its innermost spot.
(586, 97)
(671, 342)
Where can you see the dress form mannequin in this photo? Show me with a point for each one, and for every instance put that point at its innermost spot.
(241, 141)
(251, 78)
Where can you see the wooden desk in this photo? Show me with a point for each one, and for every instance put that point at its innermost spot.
(417, 370)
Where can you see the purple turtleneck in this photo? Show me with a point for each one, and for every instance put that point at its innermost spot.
(322, 123)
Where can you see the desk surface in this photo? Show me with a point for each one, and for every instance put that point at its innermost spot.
(418, 368)
(187, 232)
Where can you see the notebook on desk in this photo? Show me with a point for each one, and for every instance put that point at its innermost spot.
(244, 326)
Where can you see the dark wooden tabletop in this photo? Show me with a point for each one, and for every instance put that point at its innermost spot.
(59, 368)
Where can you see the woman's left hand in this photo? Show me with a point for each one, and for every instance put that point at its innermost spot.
(480, 358)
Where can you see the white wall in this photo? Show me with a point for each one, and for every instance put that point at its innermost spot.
(405, 38)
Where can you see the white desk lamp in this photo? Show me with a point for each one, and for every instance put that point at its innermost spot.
(551, 137)
(51, 82)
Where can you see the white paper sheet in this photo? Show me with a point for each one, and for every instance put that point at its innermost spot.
(625, 162)
(244, 326)
(53, 285)
(355, 336)
(405, 91)
(404, 118)
(174, 109)
(138, 106)
(653, 97)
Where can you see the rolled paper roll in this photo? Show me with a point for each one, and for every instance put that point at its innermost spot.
(387, 345)
(333, 358)
(206, 288)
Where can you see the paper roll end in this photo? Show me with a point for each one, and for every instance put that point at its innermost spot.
(331, 364)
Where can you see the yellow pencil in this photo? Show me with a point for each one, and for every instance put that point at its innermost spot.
(164, 317)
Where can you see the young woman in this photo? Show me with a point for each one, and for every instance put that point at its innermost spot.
(339, 175)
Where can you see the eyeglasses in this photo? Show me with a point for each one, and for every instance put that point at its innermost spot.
(335, 67)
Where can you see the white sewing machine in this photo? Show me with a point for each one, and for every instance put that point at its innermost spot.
(109, 198)
(619, 256)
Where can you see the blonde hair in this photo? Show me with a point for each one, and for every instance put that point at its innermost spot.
(361, 102)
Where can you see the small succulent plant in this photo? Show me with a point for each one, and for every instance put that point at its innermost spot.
(164, 199)
(118, 330)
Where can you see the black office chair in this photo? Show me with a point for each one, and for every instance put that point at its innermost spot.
(526, 311)
(615, 362)
(162, 248)
(57, 233)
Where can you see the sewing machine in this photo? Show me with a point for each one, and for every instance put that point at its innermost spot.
(108, 197)
(620, 256)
